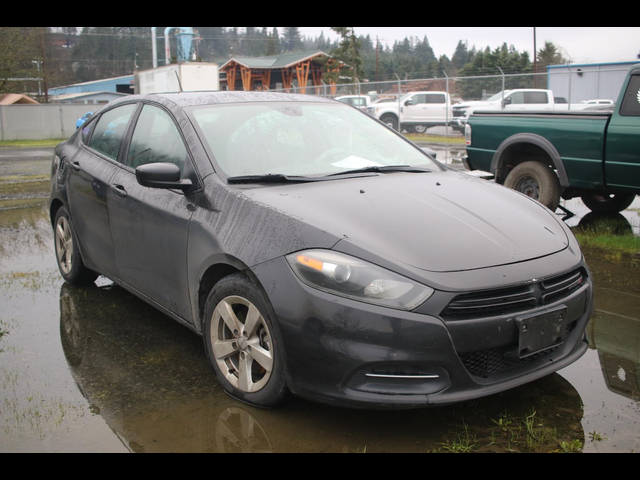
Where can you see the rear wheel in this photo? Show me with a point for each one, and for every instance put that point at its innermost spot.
(538, 181)
(420, 129)
(608, 203)
(242, 343)
(68, 255)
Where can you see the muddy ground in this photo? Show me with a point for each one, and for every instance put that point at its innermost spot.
(97, 370)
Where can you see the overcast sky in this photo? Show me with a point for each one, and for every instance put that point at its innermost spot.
(580, 44)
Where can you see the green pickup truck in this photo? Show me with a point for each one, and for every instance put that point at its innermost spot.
(593, 154)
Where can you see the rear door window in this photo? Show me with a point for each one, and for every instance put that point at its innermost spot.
(110, 131)
(631, 104)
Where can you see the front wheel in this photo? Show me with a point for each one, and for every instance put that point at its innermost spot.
(243, 345)
(608, 203)
(390, 121)
(538, 181)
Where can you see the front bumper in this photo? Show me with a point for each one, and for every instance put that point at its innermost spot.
(347, 353)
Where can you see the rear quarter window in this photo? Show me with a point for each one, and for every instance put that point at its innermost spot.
(631, 104)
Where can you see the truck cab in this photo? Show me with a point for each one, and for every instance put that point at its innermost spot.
(415, 111)
(550, 155)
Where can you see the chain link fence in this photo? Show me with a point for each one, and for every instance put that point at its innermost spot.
(572, 87)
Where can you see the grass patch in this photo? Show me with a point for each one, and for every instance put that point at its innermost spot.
(614, 247)
(436, 139)
(30, 143)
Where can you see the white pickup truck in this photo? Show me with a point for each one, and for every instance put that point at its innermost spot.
(415, 111)
(511, 100)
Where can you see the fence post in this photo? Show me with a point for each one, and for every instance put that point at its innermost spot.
(570, 86)
(448, 104)
(504, 86)
(2, 109)
(399, 103)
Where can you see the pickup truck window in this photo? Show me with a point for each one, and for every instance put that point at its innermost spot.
(631, 105)
(536, 98)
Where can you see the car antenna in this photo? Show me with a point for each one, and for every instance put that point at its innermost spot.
(179, 82)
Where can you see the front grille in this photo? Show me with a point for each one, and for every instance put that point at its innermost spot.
(483, 364)
(514, 300)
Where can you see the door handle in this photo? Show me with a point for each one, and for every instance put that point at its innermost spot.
(76, 166)
(120, 191)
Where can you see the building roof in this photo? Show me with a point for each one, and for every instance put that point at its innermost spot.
(16, 99)
(275, 62)
(76, 96)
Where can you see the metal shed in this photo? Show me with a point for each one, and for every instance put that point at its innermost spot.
(582, 82)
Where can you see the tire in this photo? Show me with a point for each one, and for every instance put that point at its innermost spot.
(68, 255)
(248, 364)
(538, 181)
(608, 203)
(390, 121)
(420, 129)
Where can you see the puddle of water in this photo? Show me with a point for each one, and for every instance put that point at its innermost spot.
(97, 370)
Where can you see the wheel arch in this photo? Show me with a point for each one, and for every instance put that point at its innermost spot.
(219, 269)
(56, 205)
(527, 147)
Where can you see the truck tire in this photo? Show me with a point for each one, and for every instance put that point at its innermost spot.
(538, 181)
(608, 203)
(390, 121)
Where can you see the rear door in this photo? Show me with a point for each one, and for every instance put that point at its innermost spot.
(150, 226)
(623, 141)
(91, 171)
(436, 108)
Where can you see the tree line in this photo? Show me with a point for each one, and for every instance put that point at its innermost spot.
(68, 55)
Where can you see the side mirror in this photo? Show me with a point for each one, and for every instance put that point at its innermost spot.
(408, 103)
(508, 101)
(164, 176)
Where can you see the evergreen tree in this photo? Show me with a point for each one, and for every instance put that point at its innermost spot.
(292, 39)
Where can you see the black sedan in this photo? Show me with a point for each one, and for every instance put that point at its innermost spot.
(317, 251)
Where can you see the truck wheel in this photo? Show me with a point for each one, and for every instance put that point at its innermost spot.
(420, 129)
(538, 181)
(390, 121)
(608, 203)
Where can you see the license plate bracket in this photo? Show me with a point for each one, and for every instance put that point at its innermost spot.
(542, 332)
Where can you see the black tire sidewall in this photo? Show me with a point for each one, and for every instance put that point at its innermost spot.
(79, 275)
(276, 391)
(619, 203)
(550, 189)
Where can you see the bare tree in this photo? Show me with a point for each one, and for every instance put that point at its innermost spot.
(19, 49)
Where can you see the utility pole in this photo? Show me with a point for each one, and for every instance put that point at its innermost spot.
(535, 57)
(377, 59)
(44, 65)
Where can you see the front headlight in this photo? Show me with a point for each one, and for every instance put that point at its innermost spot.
(349, 277)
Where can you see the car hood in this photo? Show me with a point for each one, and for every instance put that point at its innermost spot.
(438, 222)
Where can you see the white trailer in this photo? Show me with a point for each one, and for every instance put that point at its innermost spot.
(194, 77)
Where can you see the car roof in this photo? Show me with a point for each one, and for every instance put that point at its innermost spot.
(195, 99)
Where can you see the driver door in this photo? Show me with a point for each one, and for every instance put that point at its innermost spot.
(150, 226)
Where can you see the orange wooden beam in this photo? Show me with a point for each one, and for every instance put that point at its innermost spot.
(302, 72)
(247, 81)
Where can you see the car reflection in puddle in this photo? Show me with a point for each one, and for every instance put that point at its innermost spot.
(150, 381)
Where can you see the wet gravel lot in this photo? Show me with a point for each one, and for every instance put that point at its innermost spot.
(97, 370)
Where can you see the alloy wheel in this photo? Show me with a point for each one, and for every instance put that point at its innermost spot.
(64, 245)
(242, 344)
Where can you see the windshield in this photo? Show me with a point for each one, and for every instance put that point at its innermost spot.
(301, 139)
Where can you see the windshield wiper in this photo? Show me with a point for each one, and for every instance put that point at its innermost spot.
(269, 178)
(390, 169)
